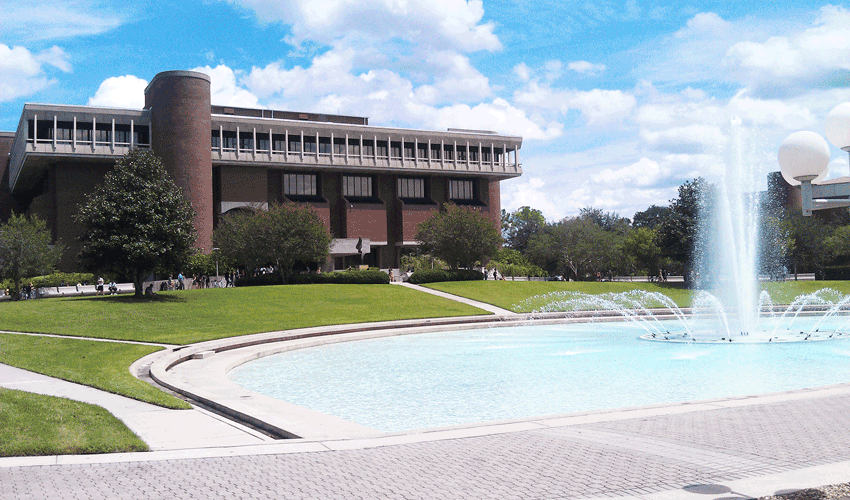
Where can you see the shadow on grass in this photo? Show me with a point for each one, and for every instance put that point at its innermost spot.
(132, 299)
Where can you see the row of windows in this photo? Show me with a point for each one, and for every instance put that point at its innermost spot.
(360, 186)
(353, 147)
(65, 132)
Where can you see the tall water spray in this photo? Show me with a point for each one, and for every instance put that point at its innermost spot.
(728, 249)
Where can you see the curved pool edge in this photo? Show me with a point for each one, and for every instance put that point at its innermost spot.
(199, 372)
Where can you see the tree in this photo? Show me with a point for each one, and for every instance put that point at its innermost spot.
(641, 251)
(609, 221)
(283, 235)
(575, 246)
(521, 226)
(678, 232)
(25, 249)
(807, 242)
(136, 221)
(459, 235)
(650, 218)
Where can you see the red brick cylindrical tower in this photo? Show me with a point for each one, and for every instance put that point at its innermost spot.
(179, 104)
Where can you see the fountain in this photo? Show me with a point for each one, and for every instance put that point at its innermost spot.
(729, 307)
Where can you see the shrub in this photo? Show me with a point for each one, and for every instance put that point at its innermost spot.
(369, 276)
(365, 277)
(56, 279)
(261, 280)
(436, 275)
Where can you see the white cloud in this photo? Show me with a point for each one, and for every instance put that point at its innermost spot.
(810, 56)
(704, 24)
(643, 173)
(224, 90)
(597, 106)
(126, 91)
(456, 80)
(499, 116)
(49, 19)
(523, 72)
(24, 73)
(531, 192)
(432, 24)
(586, 68)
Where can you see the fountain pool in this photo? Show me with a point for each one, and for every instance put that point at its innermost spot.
(437, 379)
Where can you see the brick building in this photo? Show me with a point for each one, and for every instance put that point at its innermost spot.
(369, 184)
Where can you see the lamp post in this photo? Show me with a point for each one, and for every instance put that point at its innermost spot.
(804, 161)
(216, 262)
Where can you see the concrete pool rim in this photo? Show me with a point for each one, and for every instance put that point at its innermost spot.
(199, 372)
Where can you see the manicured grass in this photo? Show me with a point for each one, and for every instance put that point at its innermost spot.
(513, 295)
(195, 315)
(103, 365)
(32, 424)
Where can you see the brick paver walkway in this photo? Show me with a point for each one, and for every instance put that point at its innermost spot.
(625, 457)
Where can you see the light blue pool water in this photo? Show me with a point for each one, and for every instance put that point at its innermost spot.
(430, 380)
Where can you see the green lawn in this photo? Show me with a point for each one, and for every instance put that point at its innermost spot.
(196, 315)
(32, 424)
(513, 295)
(185, 317)
(104, 365)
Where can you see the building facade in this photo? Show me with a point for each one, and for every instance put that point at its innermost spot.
(370, 185)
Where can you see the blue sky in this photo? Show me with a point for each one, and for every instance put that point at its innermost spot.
(618, 102)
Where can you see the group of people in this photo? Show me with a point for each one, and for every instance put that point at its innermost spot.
(197, 282)
(492, 273)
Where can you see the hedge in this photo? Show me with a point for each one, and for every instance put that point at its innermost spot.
(435, 275)
(371, 276)
(51, 280)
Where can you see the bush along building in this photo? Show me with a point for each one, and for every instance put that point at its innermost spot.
(370, 185)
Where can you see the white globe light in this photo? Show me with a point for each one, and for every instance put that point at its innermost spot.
(803, 154)
(837, 126)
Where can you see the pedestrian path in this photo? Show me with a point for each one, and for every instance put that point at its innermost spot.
(480, 305)
(160, 428)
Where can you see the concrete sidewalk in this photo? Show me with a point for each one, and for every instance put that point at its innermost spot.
(474, 303)
(160, 428)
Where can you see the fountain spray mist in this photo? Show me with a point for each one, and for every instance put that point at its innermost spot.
(728, 246)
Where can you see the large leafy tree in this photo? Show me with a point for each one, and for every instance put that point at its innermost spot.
(459, 235)
(25, 249)
(521, 226)
(577, 247)
(640, 250)
(283, 235)
(679, 231)
(136, 221)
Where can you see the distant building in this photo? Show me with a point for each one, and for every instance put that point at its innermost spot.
(369, 184)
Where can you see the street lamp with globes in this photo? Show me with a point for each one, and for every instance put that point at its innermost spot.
(804, 160)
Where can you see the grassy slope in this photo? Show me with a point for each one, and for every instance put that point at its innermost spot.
(103, 365)
(32, 424)
(196, 315)
(508, 294)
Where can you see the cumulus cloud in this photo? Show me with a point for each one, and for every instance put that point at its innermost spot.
(815, 55)
(644, 172)
(49, 19)
(498, 115)
(224, 89)
(704, 24)
(531, 192)
(433, 24)
(597, 106)
(126, 91)
(25, 73)
(586, 68)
